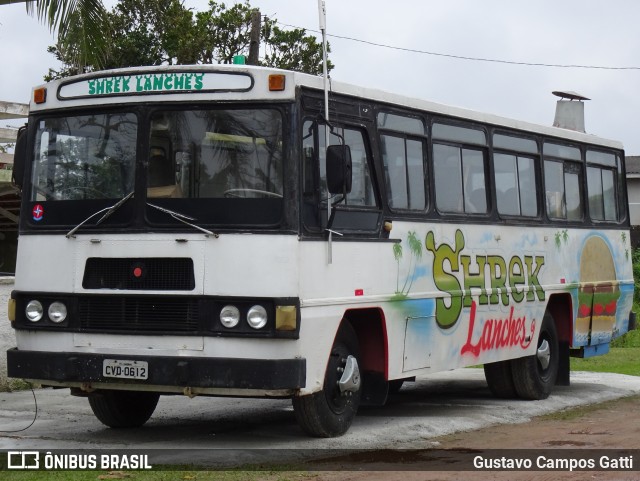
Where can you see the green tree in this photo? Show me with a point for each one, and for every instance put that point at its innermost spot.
(223, 32)
(151, 32)
(292, 49)
(82, 27)
(157, 32)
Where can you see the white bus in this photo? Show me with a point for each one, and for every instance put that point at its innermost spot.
(186, 229)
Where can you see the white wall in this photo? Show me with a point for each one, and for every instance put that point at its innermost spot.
(633, 191)
(7, 336)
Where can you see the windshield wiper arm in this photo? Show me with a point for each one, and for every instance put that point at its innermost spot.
(115, 207)
(107, 210)
(183, 218)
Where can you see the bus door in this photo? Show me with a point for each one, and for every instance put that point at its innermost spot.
(356, 211)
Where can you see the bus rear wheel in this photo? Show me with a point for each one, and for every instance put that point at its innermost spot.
(123, 409)
(499, 376)
(330, 412)
(534, 376)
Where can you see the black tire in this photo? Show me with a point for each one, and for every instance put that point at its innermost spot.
(329, 413)
(531, 379)
(123, 409)
(395, 385)
(499, 376)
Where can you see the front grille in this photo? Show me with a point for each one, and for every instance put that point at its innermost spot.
(144, 273)
(176, 314)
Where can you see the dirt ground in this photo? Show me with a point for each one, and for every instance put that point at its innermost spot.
(581, 432)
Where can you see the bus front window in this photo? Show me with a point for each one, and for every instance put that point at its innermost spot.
(219, 167)
(84, 157)
(216, 154)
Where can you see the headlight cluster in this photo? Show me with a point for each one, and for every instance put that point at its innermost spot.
(256, 316)
(56, 312)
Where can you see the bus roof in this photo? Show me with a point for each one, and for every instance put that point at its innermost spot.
(173, 83)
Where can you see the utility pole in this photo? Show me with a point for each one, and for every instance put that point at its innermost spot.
(254, 44)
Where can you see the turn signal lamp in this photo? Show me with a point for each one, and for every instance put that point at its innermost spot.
(40, 95)
(12, 310)
(276, 82)
(286, 318)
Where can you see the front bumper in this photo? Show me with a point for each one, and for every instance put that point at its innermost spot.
(223, 373)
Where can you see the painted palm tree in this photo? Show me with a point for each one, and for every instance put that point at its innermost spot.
(78, 22)
(415, 247)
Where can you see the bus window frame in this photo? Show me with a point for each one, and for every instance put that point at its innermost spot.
(484, 148)
(315, 199)
(579, 168)
(615, 169)
(537, 168)
(424, 140)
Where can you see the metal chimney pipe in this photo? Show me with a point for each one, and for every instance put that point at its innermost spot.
(569, 113)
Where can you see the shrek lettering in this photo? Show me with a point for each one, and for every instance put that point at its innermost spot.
(499, 280)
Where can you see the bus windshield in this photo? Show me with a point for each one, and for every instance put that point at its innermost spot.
(84, 157)
(216, 154)
(219, 166)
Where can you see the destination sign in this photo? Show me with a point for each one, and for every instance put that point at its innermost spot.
(154, 83)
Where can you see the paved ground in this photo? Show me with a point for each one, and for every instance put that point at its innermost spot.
(452, 402)
(585, 435)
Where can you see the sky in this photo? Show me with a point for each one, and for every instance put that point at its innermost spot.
(568, 32)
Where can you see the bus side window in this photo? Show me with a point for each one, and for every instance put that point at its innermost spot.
(601, 185)
(460, 179)
(515, 185)
(562, 184)
(362, 193)
(362, 186)
(448, 177)
(403, 155)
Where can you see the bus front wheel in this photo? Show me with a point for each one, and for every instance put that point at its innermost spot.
(123, 409)
(330, 412)
(534, 376)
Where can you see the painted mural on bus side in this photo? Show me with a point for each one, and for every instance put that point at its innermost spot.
(487, 291)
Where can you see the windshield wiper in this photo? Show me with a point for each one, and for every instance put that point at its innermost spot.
(107, 210)
(183, 218)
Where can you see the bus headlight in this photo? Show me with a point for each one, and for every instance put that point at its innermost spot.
(257, 317)
(229, 316)
(57, 312)
(34, 311)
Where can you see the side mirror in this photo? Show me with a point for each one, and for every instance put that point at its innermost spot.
(339, 169)
(20, 157)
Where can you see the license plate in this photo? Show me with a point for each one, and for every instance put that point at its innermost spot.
(122, 369)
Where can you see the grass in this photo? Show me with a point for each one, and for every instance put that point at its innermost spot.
(583, 411)
(152, 475)
(624, 357)
(15, 385)
(621, 360)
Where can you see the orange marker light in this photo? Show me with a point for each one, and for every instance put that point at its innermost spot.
(40, 95)
(276, 82)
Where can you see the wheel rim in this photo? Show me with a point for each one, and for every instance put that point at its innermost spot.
(544, 354)
(338, 401)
